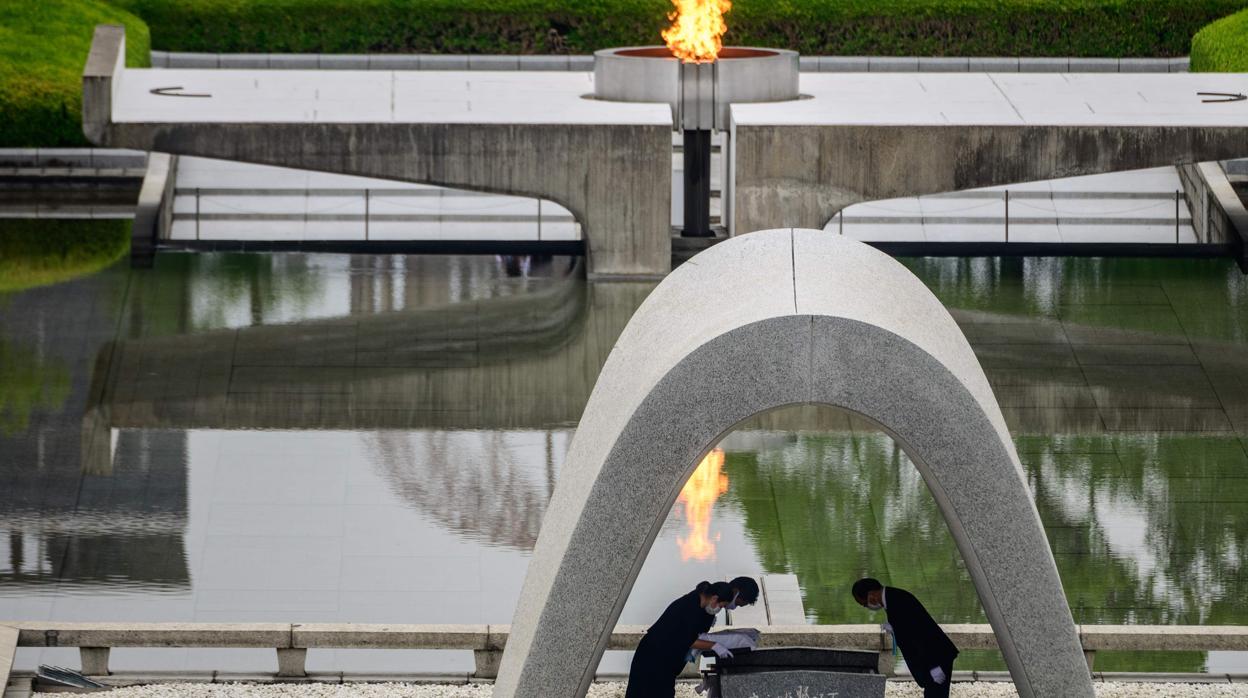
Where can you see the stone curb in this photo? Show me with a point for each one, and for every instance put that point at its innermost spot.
(80, 158)
(810, 64)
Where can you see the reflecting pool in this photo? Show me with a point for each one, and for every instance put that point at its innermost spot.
(300, 438)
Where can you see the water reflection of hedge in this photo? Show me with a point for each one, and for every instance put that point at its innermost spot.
(28, 382)
(830, 508)
(1209, 295)
(41, 251)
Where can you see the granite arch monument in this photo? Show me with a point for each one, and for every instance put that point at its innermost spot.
(781, 317)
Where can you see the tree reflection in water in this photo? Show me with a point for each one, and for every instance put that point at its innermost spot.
(1138, 543)
(481, 484)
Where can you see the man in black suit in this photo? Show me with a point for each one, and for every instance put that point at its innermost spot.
(928, 651)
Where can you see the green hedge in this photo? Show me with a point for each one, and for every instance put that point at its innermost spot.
(43, 48)
(39, 252)
(44, 43)
(1222, 46)
(845, 27)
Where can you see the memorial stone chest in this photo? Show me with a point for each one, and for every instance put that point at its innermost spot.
(797, 672)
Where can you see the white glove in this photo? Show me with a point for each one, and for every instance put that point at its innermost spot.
(938, 675)
(887, 627)
(721, 651)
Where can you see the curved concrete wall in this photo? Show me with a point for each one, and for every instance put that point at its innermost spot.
(758, 322)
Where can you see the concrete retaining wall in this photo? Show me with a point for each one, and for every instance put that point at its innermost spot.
(1218, 214)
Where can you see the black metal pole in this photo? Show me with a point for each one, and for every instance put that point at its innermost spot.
(697, 184)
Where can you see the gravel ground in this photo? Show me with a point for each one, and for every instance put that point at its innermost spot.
(616, 690)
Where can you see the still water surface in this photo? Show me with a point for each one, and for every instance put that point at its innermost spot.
(298, 438)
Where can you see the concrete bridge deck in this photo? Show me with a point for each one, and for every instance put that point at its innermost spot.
(507, 133)
(858, 137)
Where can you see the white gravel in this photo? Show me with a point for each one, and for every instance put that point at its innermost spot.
(616, 690)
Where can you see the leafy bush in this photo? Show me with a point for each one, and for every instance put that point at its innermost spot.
(43, 48)
(42, 251)
(843, 27)
(1222, 46)
(44, 43)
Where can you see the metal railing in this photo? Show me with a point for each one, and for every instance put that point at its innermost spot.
(543, 217)
(1033, 217)
(487, 642)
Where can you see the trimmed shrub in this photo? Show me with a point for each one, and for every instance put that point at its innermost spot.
(1114, 28)
(39, 252)
(43, 48)
(1222, 46)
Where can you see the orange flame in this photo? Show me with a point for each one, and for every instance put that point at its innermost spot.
(698, 496)
(697, 28)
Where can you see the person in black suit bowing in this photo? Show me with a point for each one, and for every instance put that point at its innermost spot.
(928, 651)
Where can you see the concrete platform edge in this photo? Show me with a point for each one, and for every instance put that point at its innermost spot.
(563, 62)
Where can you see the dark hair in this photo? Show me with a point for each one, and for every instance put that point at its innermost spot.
(720, 590)
(747, 588)
(864, 586)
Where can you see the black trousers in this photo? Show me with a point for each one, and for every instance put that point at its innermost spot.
(931, 689)
(652, 676)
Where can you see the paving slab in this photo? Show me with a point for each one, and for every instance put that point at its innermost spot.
(784, 599)
(373, 96)
(1090, 99)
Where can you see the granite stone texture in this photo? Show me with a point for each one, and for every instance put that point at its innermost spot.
(8, 650)
(762, 321)
(802, 684)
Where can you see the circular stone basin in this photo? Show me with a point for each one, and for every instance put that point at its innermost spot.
(726, 53)
(740, 75)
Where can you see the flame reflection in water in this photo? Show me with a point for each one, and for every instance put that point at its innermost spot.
(698, 497)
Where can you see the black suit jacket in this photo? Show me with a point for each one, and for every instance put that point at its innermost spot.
(921, 641)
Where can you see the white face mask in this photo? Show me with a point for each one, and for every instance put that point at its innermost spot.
(711, 610)
(874, 606)
(732, 606)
